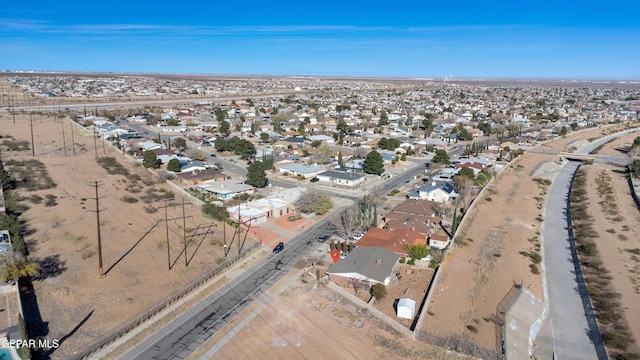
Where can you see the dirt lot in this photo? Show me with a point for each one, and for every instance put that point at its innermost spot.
(76, 305)
(310, 321)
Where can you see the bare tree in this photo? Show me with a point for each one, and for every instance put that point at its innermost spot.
(467, 191)
(634, 152)
(350, 223)
(319, 158)
(374, 196)
(356, 284)
(443, 209)
(359, 153)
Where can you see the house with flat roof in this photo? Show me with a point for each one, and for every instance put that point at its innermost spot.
(227, 189)
(341, 178)
(305, 170)
(200, 176)
(370, 265)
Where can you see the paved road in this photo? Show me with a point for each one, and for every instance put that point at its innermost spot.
(184, 334)
(565, 331)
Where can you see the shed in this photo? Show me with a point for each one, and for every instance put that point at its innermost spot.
(406, 308)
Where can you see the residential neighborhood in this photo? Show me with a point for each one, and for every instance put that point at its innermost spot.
(364, 182)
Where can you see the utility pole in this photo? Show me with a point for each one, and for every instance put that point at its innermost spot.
(33, 149)
(184, 236)
(184, 231)
(97, 211)
(64, 141)
(73, 140)
(95, 144)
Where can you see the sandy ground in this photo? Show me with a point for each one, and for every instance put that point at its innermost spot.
(77, 306)
(487, 260)
(618, 235)
(310, 321)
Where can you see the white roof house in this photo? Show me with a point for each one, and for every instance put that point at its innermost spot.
(406, 308)
(301, 170)
(227, 189)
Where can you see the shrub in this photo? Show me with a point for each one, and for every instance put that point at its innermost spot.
(472, 328)
(50, 200)
(35, 199)
(534, 269)
(129, 199)
(379, 291)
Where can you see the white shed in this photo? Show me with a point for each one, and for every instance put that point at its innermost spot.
(406, 308)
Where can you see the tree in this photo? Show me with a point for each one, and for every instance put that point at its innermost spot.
(379, 291)
(563, 131)
(316, 144)
(244, 148)
(223, 128)
(441, 157)
(311, 201)
(373, 163)
(150, 160)
(342, 126)
(256, 176)
(264, 137)
(417, 251)
(301, 129)
(574, 126)
(15, 266)
(180, 143)
(467, 172)
(356, 284)
(403, 157)
(384, 120)
(213, 211)
(340, 161)
(359, 153)
(636, 142)
(467, 190)
(320, 157)
(350, 222)
(173, 122)
(634, 167)
(174, 165)
(6, 180)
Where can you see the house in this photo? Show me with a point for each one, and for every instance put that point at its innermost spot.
(227, 189)
(440, 192)
(201, 176)
(370, 265)
(438, 241)
(419, 215)
(259, 211)
(394, 240)
(406, 308)
(191, 165)
(341, 177)
(304, 170)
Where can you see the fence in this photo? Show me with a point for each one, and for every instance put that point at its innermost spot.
(502, 310)
(160, 306)
(634, 194)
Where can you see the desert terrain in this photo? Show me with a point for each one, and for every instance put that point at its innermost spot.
(72, 302)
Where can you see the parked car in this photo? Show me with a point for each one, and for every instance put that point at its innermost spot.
(323, 237)
(278, 248)
(357, 236)
(314, 179)
(294, 218)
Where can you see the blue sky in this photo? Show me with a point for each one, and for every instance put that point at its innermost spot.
(479, 39)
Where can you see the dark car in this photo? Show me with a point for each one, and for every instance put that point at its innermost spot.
(323, 237)
(314, 179)
(278, 248)
(213, 155)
